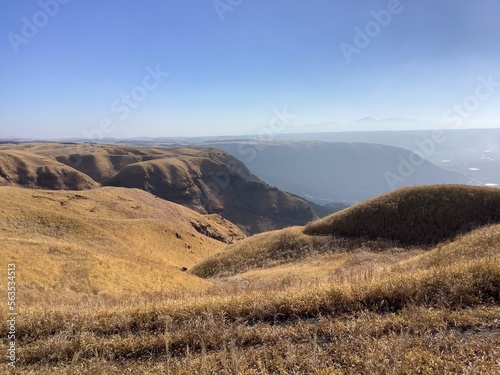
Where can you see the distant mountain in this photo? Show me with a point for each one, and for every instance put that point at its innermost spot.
(472, 152)
(339, 171)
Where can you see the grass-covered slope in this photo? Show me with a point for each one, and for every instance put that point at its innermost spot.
(204, 179)
(407, 218)
(19, 168)
(285, 246)
(108, 240)
(437, 317)
(214, 182)
(417, 215)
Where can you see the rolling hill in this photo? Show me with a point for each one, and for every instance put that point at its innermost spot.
(416, 216)
(18, 168)
(104, 291)
(108, 240)
(404, 220)
(204, 179)
(436, 310)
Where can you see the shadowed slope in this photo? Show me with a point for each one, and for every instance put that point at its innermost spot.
(215, 182)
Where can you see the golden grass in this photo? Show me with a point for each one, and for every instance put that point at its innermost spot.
(441, 318)
(288, 245)
(204, 179)
(103, 241)
(417, 215)
(100, 292)
(20, 168)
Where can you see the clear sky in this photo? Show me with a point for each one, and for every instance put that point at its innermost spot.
(73, 66)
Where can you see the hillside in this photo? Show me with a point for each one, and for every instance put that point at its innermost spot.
(204, 179)
(115, 280)
(110, 241)
(337, 171)
(402, 314)
(287, 246)
(418, 215)
(18, 168)
(406, 220)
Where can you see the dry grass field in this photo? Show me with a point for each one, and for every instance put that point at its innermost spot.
(101, 291)
(103, 241)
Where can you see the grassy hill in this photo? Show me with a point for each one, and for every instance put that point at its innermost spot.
(280, 247)
(418, 215)
(19, 168)
(204, 179)
(207, 184)
(104, 241)
(399, 221)
(102, 287)
(412, 315)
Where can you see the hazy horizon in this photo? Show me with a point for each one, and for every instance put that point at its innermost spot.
(75, 69)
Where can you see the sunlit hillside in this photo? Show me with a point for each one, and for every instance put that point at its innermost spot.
(20, 168)
(104, 241)
(417, 215)
(281, 302)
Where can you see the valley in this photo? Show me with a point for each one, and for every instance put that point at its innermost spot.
(114, 278)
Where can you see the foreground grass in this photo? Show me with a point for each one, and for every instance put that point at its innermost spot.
(441, 319)
(416, 340)
(287, 303)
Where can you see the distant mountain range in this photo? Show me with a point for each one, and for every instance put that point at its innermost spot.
(472, 153)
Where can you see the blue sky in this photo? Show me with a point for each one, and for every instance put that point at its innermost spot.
(232, 63)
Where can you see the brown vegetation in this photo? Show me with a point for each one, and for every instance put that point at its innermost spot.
(204, 179)
(417, 216)
(102, 291)
(104, 241)
(18, 168)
